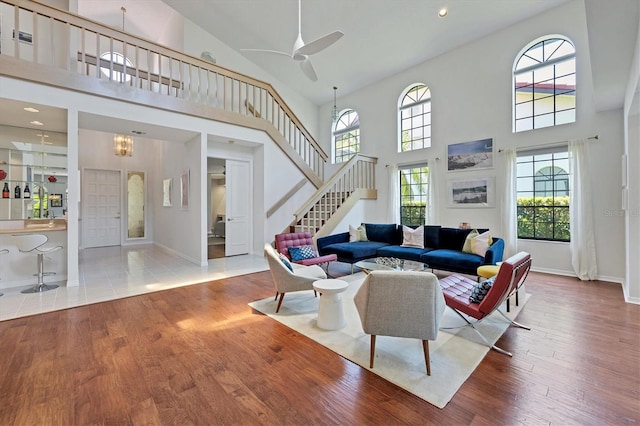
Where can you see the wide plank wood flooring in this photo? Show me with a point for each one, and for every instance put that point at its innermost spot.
(199, 355)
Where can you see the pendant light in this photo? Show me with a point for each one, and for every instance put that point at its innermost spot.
(334, 110)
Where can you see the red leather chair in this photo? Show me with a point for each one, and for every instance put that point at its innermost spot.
(298, 239)
(458, 288)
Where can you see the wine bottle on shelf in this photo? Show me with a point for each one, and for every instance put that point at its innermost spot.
(27, 192)
(5, 191)
(17, 192)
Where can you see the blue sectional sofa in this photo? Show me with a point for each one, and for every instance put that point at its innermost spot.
(442, 247)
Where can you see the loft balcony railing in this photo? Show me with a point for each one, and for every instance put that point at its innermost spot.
(69, 51)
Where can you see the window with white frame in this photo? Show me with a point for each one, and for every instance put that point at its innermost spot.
(414, 194)
(415, 118)
(543, 194)
(544, 79)
(115, 71)
(346, 136)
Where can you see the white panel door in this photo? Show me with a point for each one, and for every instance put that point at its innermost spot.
(100, 208)
(238, 208)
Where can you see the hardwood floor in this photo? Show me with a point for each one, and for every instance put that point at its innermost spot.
(199, 355)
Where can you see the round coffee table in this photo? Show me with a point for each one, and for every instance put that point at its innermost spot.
(330, 311)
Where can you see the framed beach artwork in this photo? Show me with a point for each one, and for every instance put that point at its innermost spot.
(470, 155)
(474, 192)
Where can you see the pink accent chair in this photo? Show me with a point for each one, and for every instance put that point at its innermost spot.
(298, 239)
(457, 289)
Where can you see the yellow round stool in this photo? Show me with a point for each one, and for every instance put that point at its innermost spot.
(487, 271)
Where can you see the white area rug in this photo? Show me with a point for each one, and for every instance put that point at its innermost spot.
(454, 355)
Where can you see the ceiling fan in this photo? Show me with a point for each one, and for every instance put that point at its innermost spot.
(301, 50)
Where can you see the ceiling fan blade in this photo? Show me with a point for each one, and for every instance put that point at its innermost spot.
(319, 44)
(267, 51)
(308, 70)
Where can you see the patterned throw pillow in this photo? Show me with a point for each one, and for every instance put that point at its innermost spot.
(480, 290)
(303, 252)
(286, 262)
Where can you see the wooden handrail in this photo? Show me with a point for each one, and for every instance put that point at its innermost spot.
(339, 175)
(167, 72)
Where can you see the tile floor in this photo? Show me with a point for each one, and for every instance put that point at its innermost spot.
(108, 273)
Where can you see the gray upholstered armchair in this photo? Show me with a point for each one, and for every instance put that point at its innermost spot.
(400, 304)
(300, 278)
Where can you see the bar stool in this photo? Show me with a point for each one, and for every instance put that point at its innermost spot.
(3, 251)
(34, 243)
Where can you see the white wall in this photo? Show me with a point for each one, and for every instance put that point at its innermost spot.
(471, 99)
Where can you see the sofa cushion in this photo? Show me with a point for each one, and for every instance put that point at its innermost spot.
(383, 233)
(452, 260)
(453, 238)
(432, 236)
(352, 252)
(467, 241)
(406, 253)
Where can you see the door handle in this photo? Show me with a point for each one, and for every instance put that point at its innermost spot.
(229, 219)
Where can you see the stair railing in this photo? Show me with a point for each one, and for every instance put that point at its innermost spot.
(357, 174)
(58, 43)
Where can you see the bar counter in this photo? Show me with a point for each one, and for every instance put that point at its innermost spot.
(32, 226)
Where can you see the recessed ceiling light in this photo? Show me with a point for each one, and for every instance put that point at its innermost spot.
(36, 123)
(443, 12)
(30, 109)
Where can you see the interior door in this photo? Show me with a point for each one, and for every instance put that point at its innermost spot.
(101, 207)
(238, 208)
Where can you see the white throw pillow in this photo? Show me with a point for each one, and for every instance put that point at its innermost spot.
(357, 234)
(481, 243)
(413, 237)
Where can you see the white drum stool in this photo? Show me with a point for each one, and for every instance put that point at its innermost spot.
(330, 311)
(3, 251)
(34, 243)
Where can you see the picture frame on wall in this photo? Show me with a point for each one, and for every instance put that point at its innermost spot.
(473, 192)
(471, 155)
(166, 192)
(184, 189)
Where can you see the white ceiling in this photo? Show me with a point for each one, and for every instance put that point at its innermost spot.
(376, 32)
(373, 46)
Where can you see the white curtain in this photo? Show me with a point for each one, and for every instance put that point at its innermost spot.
(583, 247)
(430, 216)
(509, 209)
(394, 194)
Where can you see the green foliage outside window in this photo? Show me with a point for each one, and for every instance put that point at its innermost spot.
(544, 218)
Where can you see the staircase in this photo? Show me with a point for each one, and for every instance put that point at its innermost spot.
(65, 50)
(354, 181)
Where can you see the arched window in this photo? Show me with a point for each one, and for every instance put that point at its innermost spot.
(346, 136)
(544, 78)
(414, 115)
(116, 70)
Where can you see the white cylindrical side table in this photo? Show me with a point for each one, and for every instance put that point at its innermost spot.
(330, 311)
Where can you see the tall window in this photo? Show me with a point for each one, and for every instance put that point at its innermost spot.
(414, 194)
(346, 136)
(543, 195)
(115, 70)
(544, 79)
(415, 119)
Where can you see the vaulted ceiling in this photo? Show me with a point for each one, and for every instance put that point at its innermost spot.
(383, 37)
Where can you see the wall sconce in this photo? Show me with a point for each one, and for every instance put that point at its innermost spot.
(122, 145)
